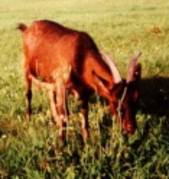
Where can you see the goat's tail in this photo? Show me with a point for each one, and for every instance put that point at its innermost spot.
(22, 27)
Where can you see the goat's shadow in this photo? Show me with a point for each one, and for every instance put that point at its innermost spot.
(154, 100)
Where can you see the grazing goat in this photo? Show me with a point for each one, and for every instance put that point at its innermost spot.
(64, 60)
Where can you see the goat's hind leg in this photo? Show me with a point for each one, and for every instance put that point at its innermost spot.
(62, 109)
(52, 99)
(28, 95)
(58, 103)
(59, 109)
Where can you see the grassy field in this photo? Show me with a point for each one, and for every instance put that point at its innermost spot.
(119, 28)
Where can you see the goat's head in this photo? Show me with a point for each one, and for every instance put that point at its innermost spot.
(125, 96)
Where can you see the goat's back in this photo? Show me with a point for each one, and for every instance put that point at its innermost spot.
(52, 50)
(49, 47)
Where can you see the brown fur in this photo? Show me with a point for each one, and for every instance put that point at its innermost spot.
(65, 60)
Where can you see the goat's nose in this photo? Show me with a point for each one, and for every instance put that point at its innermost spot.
(129, 129)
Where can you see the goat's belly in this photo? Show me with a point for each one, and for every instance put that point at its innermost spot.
(49, 73)
(50, 70)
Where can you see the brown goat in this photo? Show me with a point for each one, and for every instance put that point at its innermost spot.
(65, 60)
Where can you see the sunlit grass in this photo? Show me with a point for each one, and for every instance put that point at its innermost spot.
(119, 28)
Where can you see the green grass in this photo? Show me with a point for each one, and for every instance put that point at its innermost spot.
(120, 28)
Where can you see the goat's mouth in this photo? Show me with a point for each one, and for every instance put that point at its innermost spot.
(128, 129)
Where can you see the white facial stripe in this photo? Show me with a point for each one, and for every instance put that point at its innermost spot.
(113, 68)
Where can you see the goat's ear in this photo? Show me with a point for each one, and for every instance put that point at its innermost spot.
(134, 70)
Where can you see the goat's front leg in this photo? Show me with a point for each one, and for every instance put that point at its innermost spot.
(84, 116)
(28, 95)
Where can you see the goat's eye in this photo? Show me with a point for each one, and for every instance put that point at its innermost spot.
(122, 111)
